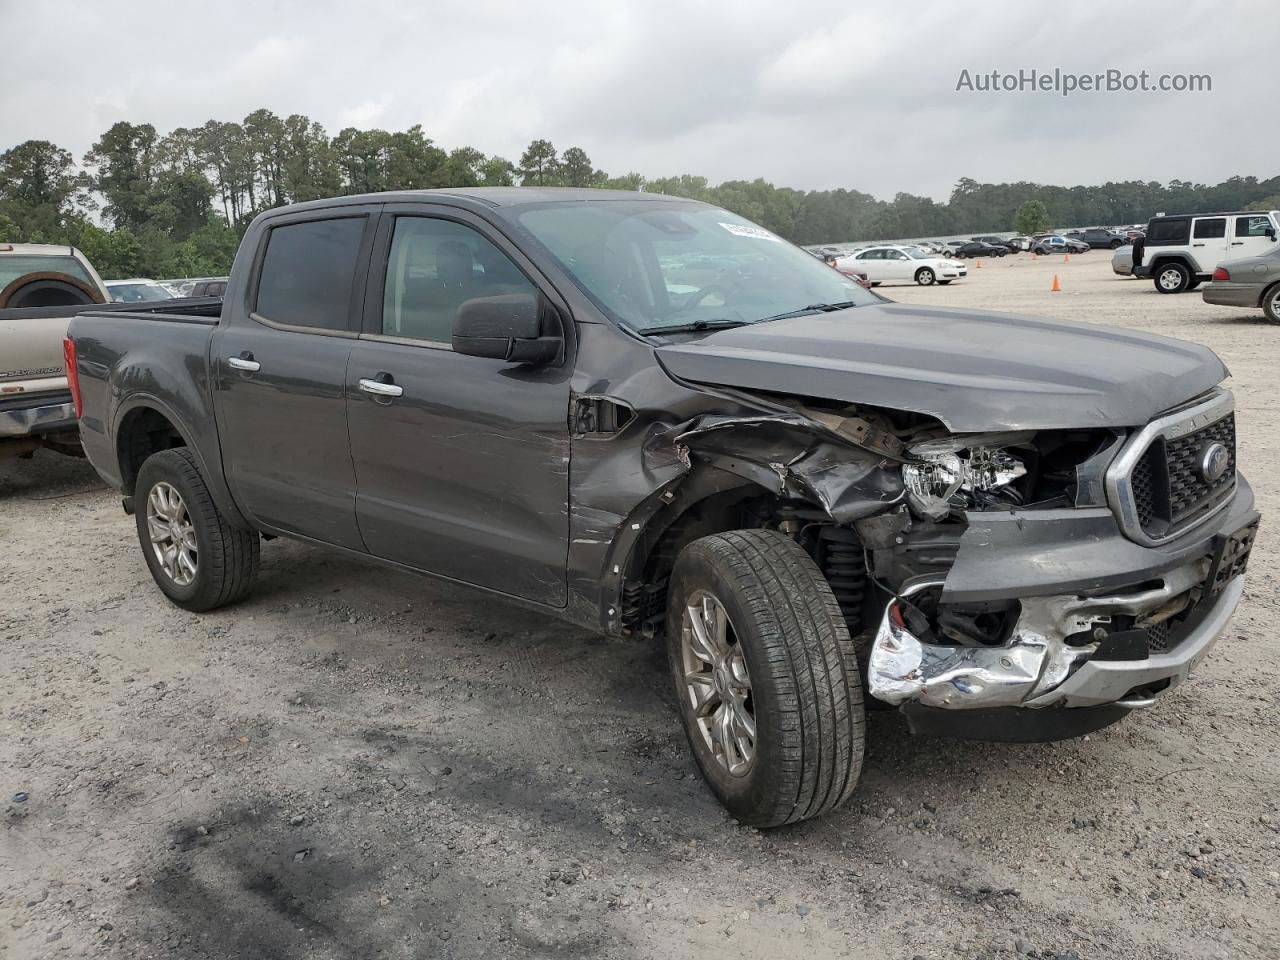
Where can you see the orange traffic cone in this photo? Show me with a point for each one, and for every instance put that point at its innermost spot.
(977, 264)
(1057, 287)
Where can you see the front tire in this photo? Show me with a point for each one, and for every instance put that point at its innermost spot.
(767, 682)
(1171, 278)
(925, 277)
(197, 558)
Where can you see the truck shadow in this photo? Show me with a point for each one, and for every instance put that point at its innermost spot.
(46, 476)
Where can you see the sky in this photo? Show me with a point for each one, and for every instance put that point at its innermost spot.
(814, 96)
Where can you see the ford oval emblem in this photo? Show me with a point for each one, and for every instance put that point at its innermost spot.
(1214, 460)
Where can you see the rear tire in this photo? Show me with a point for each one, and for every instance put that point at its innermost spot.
(1171, 277)
(1271, 303)
(198, 559)
(784, 637)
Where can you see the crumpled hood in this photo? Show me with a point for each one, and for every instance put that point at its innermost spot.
(974, 370)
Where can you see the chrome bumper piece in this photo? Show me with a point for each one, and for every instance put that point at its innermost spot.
(1036, 667)
(22, 423)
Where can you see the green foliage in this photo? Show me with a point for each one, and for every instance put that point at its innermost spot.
(539, 166)
(1032, 218)
(176, 205)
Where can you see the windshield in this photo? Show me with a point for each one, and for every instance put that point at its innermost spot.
(919, 255)
(137, 292)
(654, 265)
(13, 267)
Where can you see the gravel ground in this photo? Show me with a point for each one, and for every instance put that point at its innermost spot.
(357, 763)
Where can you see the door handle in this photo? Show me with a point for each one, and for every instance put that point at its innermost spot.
(381, 388)
(244, 362)
(1197, 244)
(1237, 243)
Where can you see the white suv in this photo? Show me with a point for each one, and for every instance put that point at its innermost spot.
(1180, 252)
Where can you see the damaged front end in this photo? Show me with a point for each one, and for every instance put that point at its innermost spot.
(990, 571)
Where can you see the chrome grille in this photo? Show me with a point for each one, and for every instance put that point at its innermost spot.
(1156, 485)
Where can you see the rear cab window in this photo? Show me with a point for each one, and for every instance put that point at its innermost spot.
(308, 272)
(19, 265)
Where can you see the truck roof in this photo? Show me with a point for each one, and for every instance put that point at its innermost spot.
(489, 196)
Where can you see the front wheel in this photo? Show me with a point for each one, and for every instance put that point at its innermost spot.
(197, 558)
(925, 276)
(765, 674)
(1172, 278)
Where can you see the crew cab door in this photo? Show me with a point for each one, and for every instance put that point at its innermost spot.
(1252, 236)
(279, 368)
(1209, 242)
(462, 463)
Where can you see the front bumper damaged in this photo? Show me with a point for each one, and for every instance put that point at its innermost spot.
(1078, 646)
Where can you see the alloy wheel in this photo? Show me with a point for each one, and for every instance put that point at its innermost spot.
(172, 534)
(717, 683)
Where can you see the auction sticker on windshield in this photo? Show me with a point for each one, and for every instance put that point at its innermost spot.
(745, 230)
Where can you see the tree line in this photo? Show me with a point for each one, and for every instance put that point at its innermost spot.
(142, 203)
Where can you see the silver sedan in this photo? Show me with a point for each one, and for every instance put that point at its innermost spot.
(1252, 282)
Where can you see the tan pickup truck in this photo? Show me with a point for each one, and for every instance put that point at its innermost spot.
(42, 286)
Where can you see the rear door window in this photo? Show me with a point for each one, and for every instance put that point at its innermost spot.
(308, 273)
(1214, 228)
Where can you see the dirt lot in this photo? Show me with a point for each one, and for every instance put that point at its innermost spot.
(357, 763)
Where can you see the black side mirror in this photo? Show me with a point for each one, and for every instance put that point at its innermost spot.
(507, 328)
(1271, 232)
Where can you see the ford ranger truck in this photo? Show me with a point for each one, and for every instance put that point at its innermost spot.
(649, 416)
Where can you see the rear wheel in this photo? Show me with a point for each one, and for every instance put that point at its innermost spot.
(925, 276)
(766, 678)
(197, 558)
(1171, 278)
(1271, 303)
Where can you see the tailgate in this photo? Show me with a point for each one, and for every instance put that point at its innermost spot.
(31, 351)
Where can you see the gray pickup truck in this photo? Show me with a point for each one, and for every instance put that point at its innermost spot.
(649, 416)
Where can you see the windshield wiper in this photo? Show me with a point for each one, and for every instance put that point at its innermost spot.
(811, 308)
(695, 327)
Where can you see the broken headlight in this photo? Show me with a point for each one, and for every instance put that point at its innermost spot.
(943, 470)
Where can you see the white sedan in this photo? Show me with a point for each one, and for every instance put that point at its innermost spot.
(903, 265)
